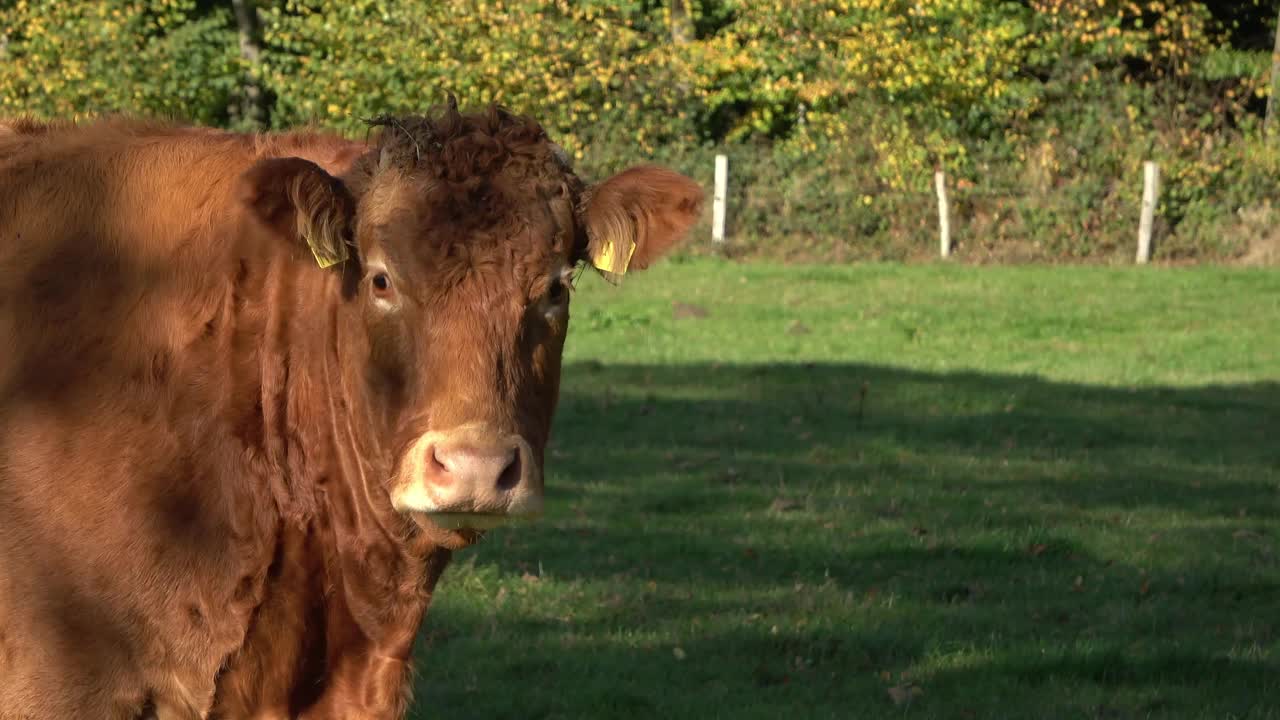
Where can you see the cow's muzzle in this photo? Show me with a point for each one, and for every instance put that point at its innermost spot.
(468, 477)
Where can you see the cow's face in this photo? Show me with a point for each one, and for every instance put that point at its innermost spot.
(468, 232)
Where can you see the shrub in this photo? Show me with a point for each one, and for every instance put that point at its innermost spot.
(835, 113)
(152, 57)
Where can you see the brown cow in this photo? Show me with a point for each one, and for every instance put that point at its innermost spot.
(229, 477)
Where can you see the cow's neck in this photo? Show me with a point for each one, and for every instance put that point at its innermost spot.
(351, 581)
(333, 466)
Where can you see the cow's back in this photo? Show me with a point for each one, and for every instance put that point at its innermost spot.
(135, 531)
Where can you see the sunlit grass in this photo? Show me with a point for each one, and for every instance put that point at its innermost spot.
(879, 490)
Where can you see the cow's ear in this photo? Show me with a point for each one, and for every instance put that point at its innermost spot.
(301, 202)
(636, 216)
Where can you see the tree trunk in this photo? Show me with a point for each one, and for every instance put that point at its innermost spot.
(253, 108)
(1269, 122)
(681, 22)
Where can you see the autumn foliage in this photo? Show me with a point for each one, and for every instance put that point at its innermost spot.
(835, 112)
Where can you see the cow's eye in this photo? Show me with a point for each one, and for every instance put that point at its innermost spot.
(557, 293)
(381, 283)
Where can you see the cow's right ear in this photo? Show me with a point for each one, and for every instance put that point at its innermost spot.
(299, 201)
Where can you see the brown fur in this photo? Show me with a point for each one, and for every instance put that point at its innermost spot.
(198, 425)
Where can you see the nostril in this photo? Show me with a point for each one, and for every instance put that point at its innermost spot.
(434, 460)
(510, 476)
(436, 470)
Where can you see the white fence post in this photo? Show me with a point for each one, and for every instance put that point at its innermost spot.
(944, 213)
(1150, 197)
(718, 208)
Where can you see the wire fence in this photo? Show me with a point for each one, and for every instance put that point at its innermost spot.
(947, 195)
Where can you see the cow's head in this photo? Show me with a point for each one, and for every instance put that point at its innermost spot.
(458, 238)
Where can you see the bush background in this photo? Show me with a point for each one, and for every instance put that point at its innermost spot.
(834, 112)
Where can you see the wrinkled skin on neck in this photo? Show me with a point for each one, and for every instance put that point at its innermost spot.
(350, 577)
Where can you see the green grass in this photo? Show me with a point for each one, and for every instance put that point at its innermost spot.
(884, 491)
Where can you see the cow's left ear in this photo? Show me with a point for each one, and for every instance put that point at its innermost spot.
(636, 216)
(298, 200)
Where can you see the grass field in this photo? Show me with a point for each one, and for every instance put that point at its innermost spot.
(885, 491)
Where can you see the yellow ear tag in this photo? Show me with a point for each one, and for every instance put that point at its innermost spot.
(328, 256)
(608, 259)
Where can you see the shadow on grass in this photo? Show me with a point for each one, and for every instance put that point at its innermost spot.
(733, 541)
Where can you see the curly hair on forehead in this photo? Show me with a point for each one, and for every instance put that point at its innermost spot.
(459, 148)
(477, 178)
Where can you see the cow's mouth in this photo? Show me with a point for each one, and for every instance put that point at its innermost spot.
(466, 520)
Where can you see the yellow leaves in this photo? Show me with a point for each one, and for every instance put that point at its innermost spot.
(106, 55)
(575, 65)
